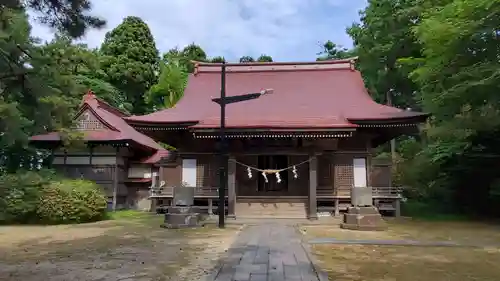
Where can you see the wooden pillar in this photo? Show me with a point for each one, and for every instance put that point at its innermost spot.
(337, 207)
(369, 163)
(313, 185)
(231, 188)
(398, 207)
(51, 160)
(91, 150)
(210, 207)
(115, 180)
(154, 203)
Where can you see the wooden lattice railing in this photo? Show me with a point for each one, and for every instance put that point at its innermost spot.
(204, 191)
(380, 192)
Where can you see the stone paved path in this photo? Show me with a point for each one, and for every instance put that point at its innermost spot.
(267, 252)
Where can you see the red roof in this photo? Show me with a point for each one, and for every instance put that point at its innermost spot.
(155, 158)
(116, 129)
(328, 94)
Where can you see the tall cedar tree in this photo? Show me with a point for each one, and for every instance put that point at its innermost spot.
(131, 61)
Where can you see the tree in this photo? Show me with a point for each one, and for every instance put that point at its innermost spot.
(170, 87)
(41, 98)
(333, 51)
(191, 52)
(131, 60)
(70, 16)
(383, 37)
(218, 59)
(264, 58)
(246, 59)
(459, 80)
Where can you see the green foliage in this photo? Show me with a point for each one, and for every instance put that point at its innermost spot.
(440, 56)
(20, 195)
(186, 56)
(43, 197)
(218, 59)
(246, 59)
(261, 58)
(264, 58)
(32, 100)
(130, 61)
(332, 51)
(170, 87)
(382, 38)
(71, 201)
(70, 16)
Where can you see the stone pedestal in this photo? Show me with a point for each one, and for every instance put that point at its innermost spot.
(181, 217)
(361, 196)
(363, 218)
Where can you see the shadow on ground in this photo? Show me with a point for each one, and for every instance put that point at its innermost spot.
(132, 249)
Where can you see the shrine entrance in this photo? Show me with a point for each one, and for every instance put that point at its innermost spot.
(272, 185)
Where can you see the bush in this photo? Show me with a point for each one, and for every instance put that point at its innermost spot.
(71, 201)
(20, 194)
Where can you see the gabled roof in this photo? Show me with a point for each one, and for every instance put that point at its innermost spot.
(327, 94)
(115, 127)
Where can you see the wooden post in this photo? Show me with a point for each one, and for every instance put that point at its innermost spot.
(51, 160)
(231, 188)
(91, 150)
(313, 185)
(210, 207)
(398, 207)
(337, 207)
(115, 180)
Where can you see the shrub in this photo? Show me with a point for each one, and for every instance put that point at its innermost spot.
(71, 201)
(19, 195)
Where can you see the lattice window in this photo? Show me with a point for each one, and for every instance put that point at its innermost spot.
(344, 172)
(201, 172)
(324, 171)
(87, 122)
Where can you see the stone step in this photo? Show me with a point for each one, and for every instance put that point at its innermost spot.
(271, 210)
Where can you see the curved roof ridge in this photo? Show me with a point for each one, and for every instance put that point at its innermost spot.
(90, 96)
(275, 66)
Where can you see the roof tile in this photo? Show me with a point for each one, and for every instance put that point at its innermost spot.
(318, 94)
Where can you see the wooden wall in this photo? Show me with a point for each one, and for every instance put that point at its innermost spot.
(335, 169)
(103, 175)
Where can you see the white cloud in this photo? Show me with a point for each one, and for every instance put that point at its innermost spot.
(285, 29)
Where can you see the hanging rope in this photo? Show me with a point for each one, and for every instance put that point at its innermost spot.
(271, 171)
(276, 172)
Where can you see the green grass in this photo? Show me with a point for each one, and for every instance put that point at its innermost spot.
(128, 214)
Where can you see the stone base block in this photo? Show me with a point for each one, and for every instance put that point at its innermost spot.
(181, 220)
(363, 218)
(183, 210)
(371, 210)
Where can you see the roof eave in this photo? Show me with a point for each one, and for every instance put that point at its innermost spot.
(275, 129)
(410, 120)
(162, 124)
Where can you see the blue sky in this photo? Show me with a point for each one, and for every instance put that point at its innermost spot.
(287, 30)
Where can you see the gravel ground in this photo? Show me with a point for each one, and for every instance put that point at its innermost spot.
(128, 249)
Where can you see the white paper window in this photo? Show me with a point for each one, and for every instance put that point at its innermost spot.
(189, 172)
(359, 165)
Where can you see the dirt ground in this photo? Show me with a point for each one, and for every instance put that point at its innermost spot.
(411, 263)
(122, 249)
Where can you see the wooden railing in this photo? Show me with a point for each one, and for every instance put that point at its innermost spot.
(387, 191)
(345, 192)
(212, 192)
(208, 192)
